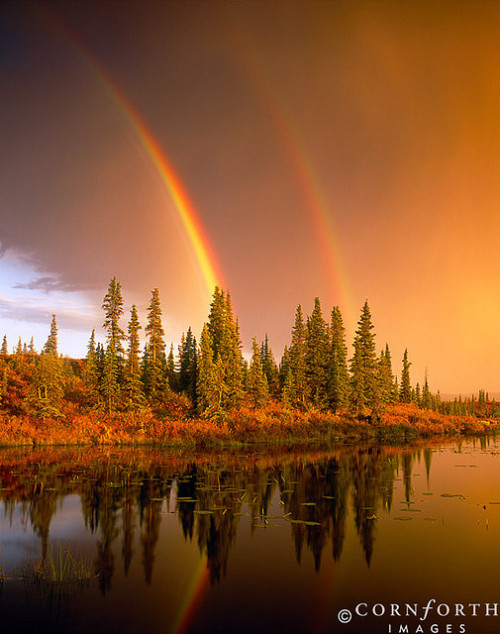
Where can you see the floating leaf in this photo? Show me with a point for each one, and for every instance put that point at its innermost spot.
(402, 518)
(307, 523)
(308, 503)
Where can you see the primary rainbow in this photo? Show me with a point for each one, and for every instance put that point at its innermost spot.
(171, 186)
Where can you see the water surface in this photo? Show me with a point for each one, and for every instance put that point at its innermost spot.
(255, 541)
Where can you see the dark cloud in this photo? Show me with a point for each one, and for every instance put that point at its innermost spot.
(47, 285)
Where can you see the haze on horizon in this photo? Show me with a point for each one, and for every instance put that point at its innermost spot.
(381, 118)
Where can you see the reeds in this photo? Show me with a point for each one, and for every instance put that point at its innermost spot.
(61, 567)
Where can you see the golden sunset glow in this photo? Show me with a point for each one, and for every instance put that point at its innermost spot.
(346, 150)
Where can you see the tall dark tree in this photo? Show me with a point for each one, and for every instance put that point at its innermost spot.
(188, 365)
(387, 385)
(91, 375)
(51, 343)
(4, 349)
(317, 357)
(210, 380)
(269, 367)
(364, 389)
(154, 361)
(426, 394)
(114, 354)
(294, 389)
(226, 345)
(405, 387)
(256, 381)
(133, 389)
(338, 375)
(172, 376)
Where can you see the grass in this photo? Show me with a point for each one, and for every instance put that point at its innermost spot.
(60, 567)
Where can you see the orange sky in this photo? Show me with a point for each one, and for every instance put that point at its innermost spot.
(348, 150)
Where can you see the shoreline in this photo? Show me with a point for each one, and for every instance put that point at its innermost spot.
(246, 426)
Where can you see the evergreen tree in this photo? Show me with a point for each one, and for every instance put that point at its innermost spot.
(426, 395)
(338, 376)
(172, 378)
(188, 365)
(317, 357)
(417, 396)
(114, 354)
(269, 367)
(4, 350)
(226, 345)
(387, 386)
(155, 362)
(294, 391)
(209, 384)
(47, 388)
(257, 383)
(51, 343)
(19, 348)
(31, 347)
(133, 388)
(405, 388)
(364, 388)
(91, 373)
(234, 359)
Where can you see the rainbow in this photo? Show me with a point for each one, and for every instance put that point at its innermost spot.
(197, 587)
(171, 185)
(320, 213)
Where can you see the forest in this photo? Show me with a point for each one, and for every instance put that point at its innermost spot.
(207, 390)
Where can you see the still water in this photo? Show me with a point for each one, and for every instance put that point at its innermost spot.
(269, 540)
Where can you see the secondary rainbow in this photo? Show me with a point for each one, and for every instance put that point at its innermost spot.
(285, 127)
(171, 185)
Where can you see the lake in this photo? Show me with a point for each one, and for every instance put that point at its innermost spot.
(350, 539)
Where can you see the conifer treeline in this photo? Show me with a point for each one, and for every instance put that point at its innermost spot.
(212, 376)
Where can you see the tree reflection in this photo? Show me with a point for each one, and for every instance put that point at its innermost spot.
(124, 495)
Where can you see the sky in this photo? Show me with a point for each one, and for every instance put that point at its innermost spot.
(285, 150)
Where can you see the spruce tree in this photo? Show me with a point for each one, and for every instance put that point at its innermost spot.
(154, 361)
(338, 376)
(426, 395)
(188, 365)
(364, 388)
(51, 343)
(114, 354)
(387, 387)
(47, 388)
(4, 350)
(405, 388)
(269, 367)
(233, 363)
(317, 358)
(91, 375)
(209, 384)
(256, 382)
(133, 389)
(172, 377)
(295, 380)
(226, 346)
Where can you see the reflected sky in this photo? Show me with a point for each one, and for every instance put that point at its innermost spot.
(259, 541)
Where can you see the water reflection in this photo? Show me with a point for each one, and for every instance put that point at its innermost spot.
(126, 493)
